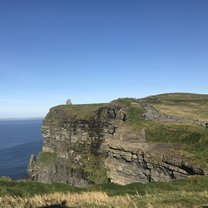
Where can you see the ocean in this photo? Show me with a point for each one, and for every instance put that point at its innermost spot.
(18, 140)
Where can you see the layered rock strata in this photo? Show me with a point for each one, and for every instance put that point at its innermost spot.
(91, 144)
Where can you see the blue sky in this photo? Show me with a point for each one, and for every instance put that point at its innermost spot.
(98, 50)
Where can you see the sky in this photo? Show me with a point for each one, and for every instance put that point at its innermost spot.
(98, 50)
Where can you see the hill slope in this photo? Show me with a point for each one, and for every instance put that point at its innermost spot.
(186, 105)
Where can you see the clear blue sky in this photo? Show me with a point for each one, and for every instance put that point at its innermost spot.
(99, 50)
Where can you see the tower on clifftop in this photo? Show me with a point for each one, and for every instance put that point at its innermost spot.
(68, 102)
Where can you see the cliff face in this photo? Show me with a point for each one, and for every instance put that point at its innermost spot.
(86, 144)
(73, 150)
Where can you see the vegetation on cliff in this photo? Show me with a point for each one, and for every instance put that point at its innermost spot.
(193, 138)
(47, 156)
(79, 112)
(99, 143)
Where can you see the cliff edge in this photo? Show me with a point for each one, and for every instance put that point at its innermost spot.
(124, 141)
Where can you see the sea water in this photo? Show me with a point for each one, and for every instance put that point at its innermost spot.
(18, 140)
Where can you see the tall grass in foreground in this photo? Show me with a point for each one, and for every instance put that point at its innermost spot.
(102, 200)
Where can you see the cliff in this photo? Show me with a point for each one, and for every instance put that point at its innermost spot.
(125, 141)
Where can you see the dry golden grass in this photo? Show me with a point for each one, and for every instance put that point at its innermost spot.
(191, 110)
(186, 105)
(100, 199)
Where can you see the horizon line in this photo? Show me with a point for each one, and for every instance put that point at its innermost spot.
(22, 118)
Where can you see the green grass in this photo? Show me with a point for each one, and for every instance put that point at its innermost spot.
(134, 116)
(197, 183)
(127, 102)
(183, 134)
(93, 165)
(176, 97)
(68, 112)
(193, 139)
(134, 120)
(27, 188)
(134, 111)
(46, 156)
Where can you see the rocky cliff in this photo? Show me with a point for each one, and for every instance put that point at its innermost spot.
(101, 143)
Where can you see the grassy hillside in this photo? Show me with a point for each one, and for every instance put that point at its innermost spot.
(191, 192)
(192, 139)
(64, 112)
(187, 105)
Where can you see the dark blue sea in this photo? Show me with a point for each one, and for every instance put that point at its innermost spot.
(18, 140)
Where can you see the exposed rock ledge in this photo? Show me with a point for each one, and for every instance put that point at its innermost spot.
(145, 163)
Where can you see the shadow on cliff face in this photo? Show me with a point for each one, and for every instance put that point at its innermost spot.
(61, 205)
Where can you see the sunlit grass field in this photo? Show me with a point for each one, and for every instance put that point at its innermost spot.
(185, 105)
(190, 192)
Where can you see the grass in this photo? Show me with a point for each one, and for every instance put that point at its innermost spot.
(28, 188)
(183, 134)
(134, 118)
(134, 112)
(187, 105)
(67, 112)
(193, 140)
(46, 156)
(93, 165)
(191, 192)
(102, 200)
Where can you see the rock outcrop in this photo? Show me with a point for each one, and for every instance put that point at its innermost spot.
(142, 162)
(87, 144)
